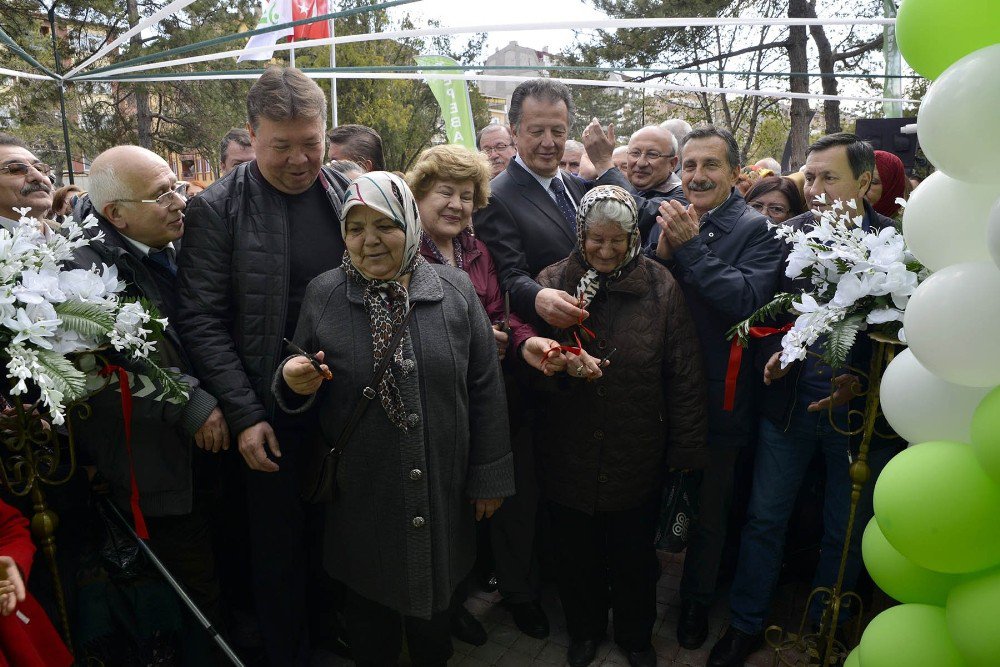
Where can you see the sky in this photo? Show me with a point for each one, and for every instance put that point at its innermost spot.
(489, 12)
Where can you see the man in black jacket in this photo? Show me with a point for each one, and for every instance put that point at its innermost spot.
(652, 155)
(727, 261)
(255, 239)
(797, 424)
(139, 205)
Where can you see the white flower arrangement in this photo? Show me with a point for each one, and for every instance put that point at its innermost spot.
(48, 314)
(860, 281)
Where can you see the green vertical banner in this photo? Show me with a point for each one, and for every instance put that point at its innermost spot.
(453, 96)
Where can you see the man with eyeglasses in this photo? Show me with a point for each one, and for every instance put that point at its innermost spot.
(497, 144)
(652, 158)
(139, 205)
(24, 182)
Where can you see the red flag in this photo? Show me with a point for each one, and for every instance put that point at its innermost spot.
(304, 9)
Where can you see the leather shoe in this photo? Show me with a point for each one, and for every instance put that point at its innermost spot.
(465, 627)
(581, 654)
(645, 658)
(733, 648)
(692, 626)
(530, 619)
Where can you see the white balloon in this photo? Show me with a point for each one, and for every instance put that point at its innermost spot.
(956, 125)
(921, 407)
(944, 221)
(993, 233)
(952, 324)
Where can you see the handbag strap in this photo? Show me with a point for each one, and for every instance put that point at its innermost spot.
(368, 393)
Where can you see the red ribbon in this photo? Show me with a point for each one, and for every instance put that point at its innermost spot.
(736, 360)
(140, 520)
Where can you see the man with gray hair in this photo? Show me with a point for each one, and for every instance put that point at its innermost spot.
(234, 150)
(769, 163)
(497, 144)
(652, 157)
(254, 242)
(572, 154)
(139, 206)
(620, 157)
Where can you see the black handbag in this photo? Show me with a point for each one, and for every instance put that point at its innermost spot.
(677, 509)
(323, 483)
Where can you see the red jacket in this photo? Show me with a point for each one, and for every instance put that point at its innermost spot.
(479, 265)
(27, 638)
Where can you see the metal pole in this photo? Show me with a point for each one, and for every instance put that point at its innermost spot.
(333, 80)
(62, 90)
(176, 586)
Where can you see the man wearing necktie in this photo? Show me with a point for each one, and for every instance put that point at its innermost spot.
(139, 205)
(530, 223)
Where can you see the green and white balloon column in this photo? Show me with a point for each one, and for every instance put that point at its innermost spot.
(934, 543)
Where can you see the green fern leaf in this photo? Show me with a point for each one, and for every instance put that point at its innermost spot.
(841, 339)
(86, 319)
(68, 378)
(780, 304)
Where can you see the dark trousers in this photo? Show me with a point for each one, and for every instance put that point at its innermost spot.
(184, 545)
(593, 551)
(513, 527)
(278, 555)
(708, 533)
(375, 633)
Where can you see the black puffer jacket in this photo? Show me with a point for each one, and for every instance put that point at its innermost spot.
(233, 288)
(605, 445)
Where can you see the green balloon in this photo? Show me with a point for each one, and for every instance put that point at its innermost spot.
(933, 34)
(853, 658)
(914, 635)
(972, 619)
(901, 578)
(986, 434)
(937, 507)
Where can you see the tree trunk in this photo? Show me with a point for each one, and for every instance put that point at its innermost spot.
(143, 117)
(798, 61)
(831, 108)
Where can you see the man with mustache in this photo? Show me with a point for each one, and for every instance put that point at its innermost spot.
(497, 144)
(651, 157)
(728, 263)
(24, 182)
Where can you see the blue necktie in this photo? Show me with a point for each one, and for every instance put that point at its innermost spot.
(565, 205)
(163, 258)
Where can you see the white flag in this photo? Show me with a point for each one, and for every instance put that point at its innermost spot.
(275, 12)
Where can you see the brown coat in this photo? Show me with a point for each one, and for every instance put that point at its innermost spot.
(605, 445)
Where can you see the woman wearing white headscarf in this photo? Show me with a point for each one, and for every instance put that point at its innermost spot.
(613, 429)
(431, 454)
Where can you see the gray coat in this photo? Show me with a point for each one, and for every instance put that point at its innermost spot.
(401, 530)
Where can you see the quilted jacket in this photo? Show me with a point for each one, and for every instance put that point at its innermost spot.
(605, 445)
(233, 288)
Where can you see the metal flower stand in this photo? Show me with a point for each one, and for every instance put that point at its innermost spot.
(822, 647)
(33, 454)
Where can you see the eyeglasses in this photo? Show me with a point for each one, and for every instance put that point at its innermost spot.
(499, 148)
(21, 168)
(772, 209)
(166, 199)
(651, 156)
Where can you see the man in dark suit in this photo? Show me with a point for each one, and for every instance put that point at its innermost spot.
(530, 223)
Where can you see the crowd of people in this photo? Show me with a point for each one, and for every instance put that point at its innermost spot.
(498, 357)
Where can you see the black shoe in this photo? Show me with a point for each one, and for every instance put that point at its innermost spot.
(645, 658)
(489, 582)
(530, 619)
(581, 654)
(733, 648)
(692, 626)
(465, 627)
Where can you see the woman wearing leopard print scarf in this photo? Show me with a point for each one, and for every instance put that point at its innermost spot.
(431, 455)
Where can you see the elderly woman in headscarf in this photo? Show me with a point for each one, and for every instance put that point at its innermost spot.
(615, 426)
(431, 455)
(889, 183)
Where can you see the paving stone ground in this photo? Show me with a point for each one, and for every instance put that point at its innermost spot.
(508, 647)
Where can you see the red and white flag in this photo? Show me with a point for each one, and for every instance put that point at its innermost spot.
(305, 9)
